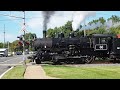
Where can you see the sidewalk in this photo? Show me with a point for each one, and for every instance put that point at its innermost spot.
(36, 72)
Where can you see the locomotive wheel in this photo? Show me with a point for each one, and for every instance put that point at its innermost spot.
(37, 61)
(56, 60)
(89, 59)
(116, 60)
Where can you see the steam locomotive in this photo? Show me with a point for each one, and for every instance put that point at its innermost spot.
(74, 49)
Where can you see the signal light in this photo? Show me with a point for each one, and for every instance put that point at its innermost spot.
(27, 43)
(20, 43)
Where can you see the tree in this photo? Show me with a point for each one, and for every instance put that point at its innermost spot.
(102, 20)
(101, 30)
(1, 45)
(14, 45)
(51, 33)
(114, 18)
(29, 37)
(66, 29)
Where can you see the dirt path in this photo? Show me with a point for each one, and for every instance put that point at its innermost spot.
(36, 72)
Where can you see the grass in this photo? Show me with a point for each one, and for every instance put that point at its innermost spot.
(15, 73)
(28, 61)
(96, 72)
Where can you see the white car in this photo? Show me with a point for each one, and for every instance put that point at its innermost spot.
(3, 52)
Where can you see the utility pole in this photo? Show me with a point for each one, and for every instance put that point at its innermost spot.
(24, 39)
(4, 37)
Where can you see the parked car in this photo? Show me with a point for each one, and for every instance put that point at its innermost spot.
(3, 52)
(18, 53)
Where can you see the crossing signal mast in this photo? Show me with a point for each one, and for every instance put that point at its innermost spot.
(22, 38)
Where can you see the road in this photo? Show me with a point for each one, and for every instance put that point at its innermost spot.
(7, 62)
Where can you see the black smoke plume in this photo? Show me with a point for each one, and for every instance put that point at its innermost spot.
(46, 15)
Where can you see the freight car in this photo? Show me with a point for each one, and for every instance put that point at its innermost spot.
(76, 49)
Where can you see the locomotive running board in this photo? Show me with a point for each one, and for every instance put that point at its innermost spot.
(77, 56)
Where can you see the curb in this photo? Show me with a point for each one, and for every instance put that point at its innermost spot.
(6, 72)
(25, 71)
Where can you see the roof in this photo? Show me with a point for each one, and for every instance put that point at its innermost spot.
(102, 35)
(3, 49)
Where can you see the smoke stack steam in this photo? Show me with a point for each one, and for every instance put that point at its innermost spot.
(79, 17)
(47, 15)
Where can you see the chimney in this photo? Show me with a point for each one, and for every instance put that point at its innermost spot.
(44, 33)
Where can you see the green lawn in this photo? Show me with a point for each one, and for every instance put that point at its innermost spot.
(97, 72)
(28, 61)
(15, 73)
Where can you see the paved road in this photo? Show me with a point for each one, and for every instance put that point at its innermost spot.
(7, 62)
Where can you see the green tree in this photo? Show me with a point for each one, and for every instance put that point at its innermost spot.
(102, 20)
(14, 45)
(101, 30)
(29, 37)
(1, 45)
(51, 33)
(114, 18)
(66, 29)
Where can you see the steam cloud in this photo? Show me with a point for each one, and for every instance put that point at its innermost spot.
(116, 24)
(107, 24)
(79, 17)
(46, 15)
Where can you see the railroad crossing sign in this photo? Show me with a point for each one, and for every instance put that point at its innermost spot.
(23, 29)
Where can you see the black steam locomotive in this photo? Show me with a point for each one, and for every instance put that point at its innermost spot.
(76, 49)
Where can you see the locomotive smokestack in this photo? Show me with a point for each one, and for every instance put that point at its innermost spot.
(46, 15)
(44, 33)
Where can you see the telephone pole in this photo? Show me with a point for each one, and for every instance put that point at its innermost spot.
(4, 37)
(24, 33)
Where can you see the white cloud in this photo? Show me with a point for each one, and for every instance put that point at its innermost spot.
(58, 19)
(35, 23)
(8, 37)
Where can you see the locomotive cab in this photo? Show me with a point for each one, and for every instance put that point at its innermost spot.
(102, 42)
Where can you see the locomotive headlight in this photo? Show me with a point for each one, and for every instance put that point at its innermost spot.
(45, 46)
(118, 47)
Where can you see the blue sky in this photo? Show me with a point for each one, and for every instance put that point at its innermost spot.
(34, 21)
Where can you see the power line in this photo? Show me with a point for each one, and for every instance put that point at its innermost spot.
(9, 19)
(18, 19)
(11, 16)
